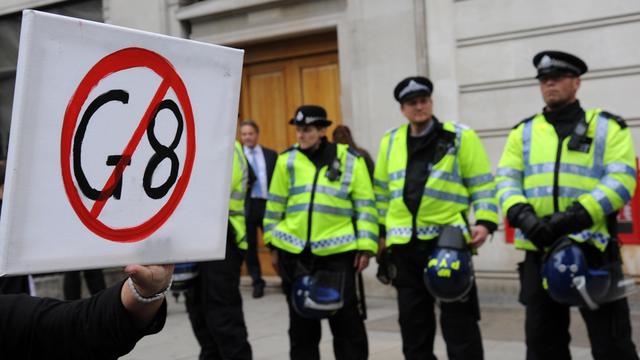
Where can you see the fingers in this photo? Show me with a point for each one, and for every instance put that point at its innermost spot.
(150, 278)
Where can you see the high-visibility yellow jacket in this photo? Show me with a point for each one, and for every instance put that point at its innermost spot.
(462, 177)
(536, 168)
(306, 208)
(239, 185)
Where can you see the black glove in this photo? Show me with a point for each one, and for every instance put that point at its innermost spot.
(574, 219)
(538, 231)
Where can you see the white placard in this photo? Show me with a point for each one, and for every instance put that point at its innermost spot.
(120, 149)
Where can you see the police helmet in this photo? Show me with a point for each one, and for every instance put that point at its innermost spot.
(312, 300)
(570, 280)
(449, 272)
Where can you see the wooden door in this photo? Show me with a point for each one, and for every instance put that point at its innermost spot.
(277, 78)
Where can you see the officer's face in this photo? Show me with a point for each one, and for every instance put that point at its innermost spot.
(418, 109)
(559, 90)
(248, 136)
(309, 136)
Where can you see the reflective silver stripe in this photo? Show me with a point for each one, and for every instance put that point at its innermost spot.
(486, 194)
(367, 235)
(391, 138)
(236, 213)
(235, 195)
(526, 144)
(485, 206)
(363, 203)
(332, 210)
(478, 180)
(397, 175)
(293, 240)
(291, 168)
(396, 194)
(620, 168)
(297, 190)
(380, 183)
(445, 175)
(274, 215)
(382, 198)
(348, 176)
(508, 184)
(297, 208)
(510, 173)
(509, 193)
(243, 168)
(382, 213)
(549, 168)
(441, 195)
(563, 191)
(616, 186)
(276, 198)
(321, 209)
(326, 190)
(600, 142)
(367, 217)
(269, 227)
(332, 242)
(603, 200)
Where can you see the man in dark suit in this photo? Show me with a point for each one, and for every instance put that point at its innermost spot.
(261, 164)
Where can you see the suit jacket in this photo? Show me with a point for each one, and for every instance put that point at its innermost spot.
(270, 157)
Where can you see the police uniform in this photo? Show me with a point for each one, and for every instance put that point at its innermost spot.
(214, 303)
(320, 214)
(566, 172)
(421, 184)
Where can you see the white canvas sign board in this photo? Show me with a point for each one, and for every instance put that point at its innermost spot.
(120, 150)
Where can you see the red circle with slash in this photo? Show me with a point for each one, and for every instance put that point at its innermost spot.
(122, 60)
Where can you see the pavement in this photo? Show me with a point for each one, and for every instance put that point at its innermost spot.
(502, 328)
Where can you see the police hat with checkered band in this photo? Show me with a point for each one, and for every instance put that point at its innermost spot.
(554, 63)
(310, 115)
(411, 87)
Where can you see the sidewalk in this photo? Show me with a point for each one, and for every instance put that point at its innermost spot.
(267, 321)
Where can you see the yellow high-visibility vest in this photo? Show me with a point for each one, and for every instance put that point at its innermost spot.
(462, 178)
(536, 168)
(306, 208)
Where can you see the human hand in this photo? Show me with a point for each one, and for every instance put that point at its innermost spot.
(150, 279)
(479, 235)
(362, 260)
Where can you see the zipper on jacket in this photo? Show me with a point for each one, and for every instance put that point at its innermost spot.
(556, 175)
(313, 194)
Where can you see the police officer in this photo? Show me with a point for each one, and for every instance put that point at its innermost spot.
(321, 217)
(214, 303)
(427, 175)
(566, 172)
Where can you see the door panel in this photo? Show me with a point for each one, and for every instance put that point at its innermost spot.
(275, 83)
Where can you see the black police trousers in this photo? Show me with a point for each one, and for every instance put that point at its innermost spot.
(347, 326)
(72, 285)
(214, 305)
(458, 320)
(547, 322)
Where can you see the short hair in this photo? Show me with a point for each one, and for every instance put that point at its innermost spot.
(251, 123)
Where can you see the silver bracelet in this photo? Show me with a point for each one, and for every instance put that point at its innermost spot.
(146, 299)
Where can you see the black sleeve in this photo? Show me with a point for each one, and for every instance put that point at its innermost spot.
(95, 328)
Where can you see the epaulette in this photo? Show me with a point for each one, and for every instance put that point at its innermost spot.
(293, 147)
(524, 121)
(616, 118)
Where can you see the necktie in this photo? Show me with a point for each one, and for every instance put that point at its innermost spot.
(256, 190)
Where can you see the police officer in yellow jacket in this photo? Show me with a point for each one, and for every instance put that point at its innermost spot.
(214, 303)
(322, 226)
(428, 175)
(564, 173)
